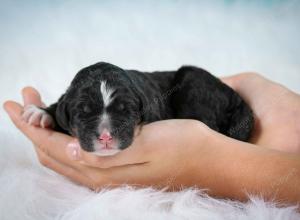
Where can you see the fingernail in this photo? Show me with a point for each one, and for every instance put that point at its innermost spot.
(73, 151)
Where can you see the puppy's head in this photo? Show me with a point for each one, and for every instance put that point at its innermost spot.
(101, 109)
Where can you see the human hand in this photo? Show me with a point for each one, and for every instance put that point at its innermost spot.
(276, 110)
(161, 154)
(187, 154)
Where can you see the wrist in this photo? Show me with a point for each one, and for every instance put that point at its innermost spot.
(217, 163)
(235, 169)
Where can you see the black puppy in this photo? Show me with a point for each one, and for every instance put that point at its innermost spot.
(104, 103)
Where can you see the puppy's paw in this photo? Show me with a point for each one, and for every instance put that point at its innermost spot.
(37, 117)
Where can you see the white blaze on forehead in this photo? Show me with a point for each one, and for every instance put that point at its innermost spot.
(105, 118)
(104, 123)
(106, 93)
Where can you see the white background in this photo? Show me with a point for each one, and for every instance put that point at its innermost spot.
(44, 43)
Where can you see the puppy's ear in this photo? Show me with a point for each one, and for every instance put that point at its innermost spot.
(140, 101)
(143, 107)
(63, 113)
(148, 106)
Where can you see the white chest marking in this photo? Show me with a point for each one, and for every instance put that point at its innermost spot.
(106, 93)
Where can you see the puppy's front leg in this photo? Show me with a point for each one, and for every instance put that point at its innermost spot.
(40, 117)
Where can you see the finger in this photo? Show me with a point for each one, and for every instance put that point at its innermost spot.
(229, 81)
(32, 96)
(64, 170)
(35, 134)
(134, 175)
(51, 142)
(96, 178)
(131, 155)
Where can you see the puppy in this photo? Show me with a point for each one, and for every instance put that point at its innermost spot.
(105, 103)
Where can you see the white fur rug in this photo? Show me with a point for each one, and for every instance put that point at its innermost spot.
(44, 44)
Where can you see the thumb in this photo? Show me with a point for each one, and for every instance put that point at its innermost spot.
(35, 134)
(32, 96)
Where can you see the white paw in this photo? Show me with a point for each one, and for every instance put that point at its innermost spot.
(37, 117)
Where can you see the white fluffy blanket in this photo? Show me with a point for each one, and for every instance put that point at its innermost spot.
(43, 44)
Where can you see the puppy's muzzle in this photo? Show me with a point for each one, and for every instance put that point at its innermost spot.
(105, 139)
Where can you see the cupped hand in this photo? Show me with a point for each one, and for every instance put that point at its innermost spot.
(276, 110)
(161, 154)
(165, 153)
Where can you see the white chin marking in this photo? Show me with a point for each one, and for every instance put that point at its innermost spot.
(100, 150)
(38, 117)
(106, 93)
(105, 152)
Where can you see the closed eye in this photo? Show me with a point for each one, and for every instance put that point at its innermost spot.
(113, 94)
(121, 107)
(87, 109)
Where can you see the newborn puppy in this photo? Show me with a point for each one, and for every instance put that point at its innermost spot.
(105, 103)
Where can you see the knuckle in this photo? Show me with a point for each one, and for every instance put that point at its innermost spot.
(97, 184)
(96, 161)
(44, 160)
(20, 125)
(195, 124)
(192, 122)
(69, 173)
(250, 75)
(43, 148)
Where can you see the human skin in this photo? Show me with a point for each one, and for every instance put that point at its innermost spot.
(185, 153)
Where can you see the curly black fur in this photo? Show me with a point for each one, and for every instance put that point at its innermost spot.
(142, 97)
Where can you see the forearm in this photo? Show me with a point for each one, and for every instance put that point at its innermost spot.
(233, 169)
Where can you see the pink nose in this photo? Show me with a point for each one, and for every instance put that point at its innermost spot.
(105, 137)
